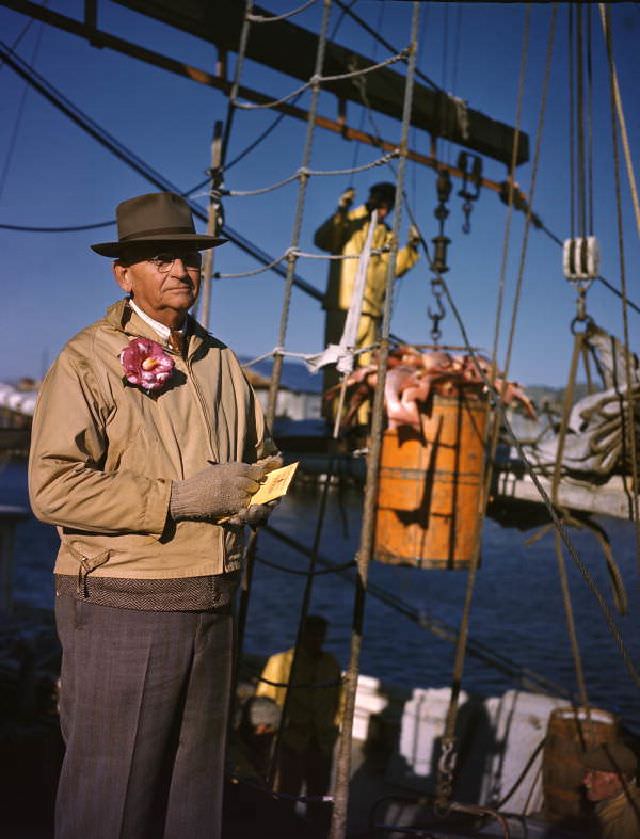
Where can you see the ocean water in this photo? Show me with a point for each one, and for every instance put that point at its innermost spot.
(517, 607)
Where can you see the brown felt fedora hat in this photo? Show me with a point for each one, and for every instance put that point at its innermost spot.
(157, 217)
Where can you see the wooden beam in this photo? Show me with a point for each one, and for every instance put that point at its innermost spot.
(291, 49)
(196, 74)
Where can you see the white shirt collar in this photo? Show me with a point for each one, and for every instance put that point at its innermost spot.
(159, 328)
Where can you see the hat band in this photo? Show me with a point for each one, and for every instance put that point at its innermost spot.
(155, 231)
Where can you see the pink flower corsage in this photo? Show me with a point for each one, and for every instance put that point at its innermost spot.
(146, 364)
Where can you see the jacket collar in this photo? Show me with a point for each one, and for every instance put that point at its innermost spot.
(123, 319)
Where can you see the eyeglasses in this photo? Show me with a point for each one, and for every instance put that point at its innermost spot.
(164, 261)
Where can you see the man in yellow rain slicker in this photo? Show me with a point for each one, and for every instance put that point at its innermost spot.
(345, 234)
(311, 724)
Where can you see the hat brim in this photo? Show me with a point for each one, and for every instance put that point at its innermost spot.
(197, 241)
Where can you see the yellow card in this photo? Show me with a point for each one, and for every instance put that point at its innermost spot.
(275, 484)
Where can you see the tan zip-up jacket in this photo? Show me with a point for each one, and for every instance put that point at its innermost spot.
(104, 453)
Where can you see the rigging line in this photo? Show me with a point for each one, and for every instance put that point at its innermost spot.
(438, 628)
(572, 126)
(365, 552)
(623, 135)
(18, 121)
(581, 183)
(302, 172)
(534, 178)
(590, 120)
(276, 372)
(364, 25)
(59, 101)
(21, 35)
(553, 513)
(278, 567)
(374, 55)
(456, 49)
(443, 783)
(70, 229)
(292, 13)
(524, 55)
(631, 412)
(233, 93)
(618, 293)
(318, 80)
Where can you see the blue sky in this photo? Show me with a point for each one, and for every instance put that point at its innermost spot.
(56, 175)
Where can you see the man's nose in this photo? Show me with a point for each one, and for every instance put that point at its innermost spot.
(179, 268)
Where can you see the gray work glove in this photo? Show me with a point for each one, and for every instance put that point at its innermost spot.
(221, 489)
(346, 199)
(254, 516)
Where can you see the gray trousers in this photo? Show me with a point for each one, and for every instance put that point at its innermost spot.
(143, 710)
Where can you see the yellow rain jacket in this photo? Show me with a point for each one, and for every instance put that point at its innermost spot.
(345, 233)
(104, 453)
(312, 712)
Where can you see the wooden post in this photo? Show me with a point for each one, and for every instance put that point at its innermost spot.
(207, 263)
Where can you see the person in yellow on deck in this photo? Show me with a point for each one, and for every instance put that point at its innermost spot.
(147, 446)
(312, 720)
(345, 234)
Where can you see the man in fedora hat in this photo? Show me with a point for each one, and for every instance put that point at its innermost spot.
(147, 446)
(610, 781)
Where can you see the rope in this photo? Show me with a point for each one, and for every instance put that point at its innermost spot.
(614, 630)
(380, 40)
(23, 99)
(534, 177)
(296, 11)
(437, 628)
(336, 569)
(285, 796)
(368, 69)
(276, 373)
(218, 275)
(316, 80)
(617, 99)
(520, 779)
(343, 767)
(562, 572)
(233, 193)
(301, 685)
(631, 411)
(273, 103)
(618, 293)
(70, 229)
(446, 763)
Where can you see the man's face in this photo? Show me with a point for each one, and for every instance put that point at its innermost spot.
(164, 283)
(602, 785)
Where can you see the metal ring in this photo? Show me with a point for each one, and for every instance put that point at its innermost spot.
(588, 322)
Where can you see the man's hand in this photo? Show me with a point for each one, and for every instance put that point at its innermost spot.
(221, 489)
(347, 198)
(254, 516)
(414, 237)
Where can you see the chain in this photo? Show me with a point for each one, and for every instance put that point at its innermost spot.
(471, 166)
(439, 313)
(444, 784)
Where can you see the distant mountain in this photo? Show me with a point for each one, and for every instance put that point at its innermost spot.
(554, 396)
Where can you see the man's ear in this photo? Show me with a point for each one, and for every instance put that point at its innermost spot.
(122, 276)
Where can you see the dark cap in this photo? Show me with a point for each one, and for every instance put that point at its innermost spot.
(611, 757)
(383, 192)
(162, 218)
